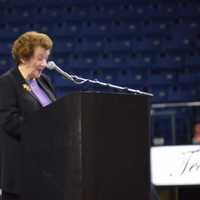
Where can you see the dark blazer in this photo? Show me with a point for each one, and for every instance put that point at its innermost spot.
(16, 104)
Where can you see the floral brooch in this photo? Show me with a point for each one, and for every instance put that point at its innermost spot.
(26, 87)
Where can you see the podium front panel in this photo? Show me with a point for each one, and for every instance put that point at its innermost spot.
(88, 146)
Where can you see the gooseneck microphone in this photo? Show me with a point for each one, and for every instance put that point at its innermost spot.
(52, 66)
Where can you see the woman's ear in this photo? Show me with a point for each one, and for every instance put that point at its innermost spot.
(22, 60)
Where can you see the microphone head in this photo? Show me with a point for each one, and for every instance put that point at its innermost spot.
(51, 65)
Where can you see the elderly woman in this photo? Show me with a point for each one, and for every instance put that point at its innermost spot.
(23, 90)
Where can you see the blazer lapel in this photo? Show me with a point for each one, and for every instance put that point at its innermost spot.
(35, 97)
(19, 78)
(46, 89)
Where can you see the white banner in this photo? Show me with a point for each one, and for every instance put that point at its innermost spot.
(175, 165)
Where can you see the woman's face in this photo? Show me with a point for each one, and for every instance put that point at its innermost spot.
(36, 64)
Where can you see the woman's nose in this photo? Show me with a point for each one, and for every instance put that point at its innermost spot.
(44, 63)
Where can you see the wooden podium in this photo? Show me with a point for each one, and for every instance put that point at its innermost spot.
(88, 146)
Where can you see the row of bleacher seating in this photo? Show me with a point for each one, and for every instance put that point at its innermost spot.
(129, 24)
(118, 7)
(132, 49)
(116, 62)
(60, 28)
